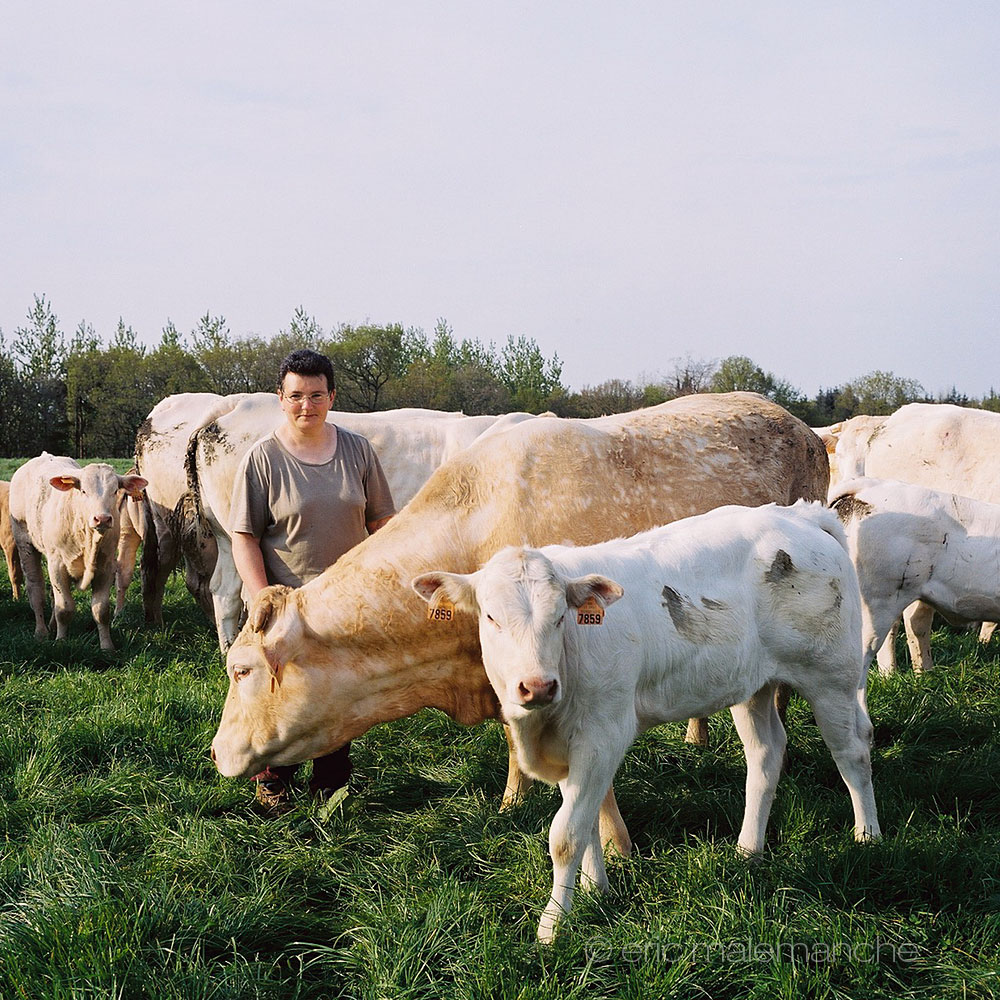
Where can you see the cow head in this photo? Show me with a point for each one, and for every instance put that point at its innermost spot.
(95, 488)
(284, 691)
(521, 602)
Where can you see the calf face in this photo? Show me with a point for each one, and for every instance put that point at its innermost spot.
(522, 606)
(95, 492)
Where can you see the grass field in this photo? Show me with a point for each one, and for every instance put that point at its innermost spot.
(131, 869)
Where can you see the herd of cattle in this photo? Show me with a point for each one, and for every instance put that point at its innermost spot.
(609, 575)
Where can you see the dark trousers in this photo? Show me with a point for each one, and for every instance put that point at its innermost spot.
(329, 772)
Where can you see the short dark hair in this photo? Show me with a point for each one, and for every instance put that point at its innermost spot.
(305, 361)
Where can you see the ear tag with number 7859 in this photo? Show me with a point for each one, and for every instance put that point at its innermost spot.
(590, 613)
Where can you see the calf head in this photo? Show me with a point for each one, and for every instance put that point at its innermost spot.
(95, 490)
(521, 602)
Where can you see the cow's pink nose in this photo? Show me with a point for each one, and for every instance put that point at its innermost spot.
(101, 521)
(537, 692)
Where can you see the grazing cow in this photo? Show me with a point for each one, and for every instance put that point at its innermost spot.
(717, 611)
(320, 665)
(14, 570)
(410, 444)
(160, 445)
(71, 515)
(937, 445)
(910, 543)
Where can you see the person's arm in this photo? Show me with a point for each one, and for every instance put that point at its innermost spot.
(249, 563)
(373, 526)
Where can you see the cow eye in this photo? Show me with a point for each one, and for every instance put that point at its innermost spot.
(239, 673)
(562, 618)
(493, 621)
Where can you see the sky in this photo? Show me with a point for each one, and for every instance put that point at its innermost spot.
(815, 185)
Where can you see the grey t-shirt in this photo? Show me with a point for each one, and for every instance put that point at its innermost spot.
(307, 516)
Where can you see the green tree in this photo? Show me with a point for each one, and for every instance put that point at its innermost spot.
(534, 384)
(370, 361)
(880, 393)
(39, 350)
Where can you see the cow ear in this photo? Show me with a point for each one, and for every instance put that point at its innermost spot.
(65, 483)
(133, 485)
(600, 587)
(455, 587)
(267, 605)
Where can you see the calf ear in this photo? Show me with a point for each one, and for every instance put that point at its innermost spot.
(600, 587)
(65, 483)
(455, 587)
(133, 485)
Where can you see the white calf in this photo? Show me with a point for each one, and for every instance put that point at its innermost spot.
(718, 610)
(910, 543)
(71, 515)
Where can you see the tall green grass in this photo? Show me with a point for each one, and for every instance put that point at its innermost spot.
(130, 868)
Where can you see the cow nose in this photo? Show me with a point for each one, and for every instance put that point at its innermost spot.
(101, 522)
(537, 692)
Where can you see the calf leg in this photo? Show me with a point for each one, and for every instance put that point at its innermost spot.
(34, 580)
(62, 597)
(518, 782)
(100, 606)
(985, 633)
(14, 570)
(128, 546)
(574, 830)
(611, 826)
(917, 618)
(697, 732)
(843, 720)
(764, 739)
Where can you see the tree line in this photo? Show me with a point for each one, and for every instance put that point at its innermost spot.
(84, 395)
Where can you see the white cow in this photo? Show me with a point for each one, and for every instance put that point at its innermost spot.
(71, 515)
(718, 609)
(910, 543)
(937, 445)
(160, 446)
(410, 443)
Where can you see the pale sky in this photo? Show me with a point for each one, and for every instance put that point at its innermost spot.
(813, 184)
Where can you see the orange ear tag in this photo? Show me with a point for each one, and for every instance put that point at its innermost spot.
(442, 611)
(590, 613)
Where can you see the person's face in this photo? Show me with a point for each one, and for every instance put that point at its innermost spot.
(305, 399)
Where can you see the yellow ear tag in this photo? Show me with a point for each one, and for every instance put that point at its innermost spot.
(442, 611)
(590, 613)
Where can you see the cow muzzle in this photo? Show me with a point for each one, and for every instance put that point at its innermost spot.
(101, 523)
(535, 692)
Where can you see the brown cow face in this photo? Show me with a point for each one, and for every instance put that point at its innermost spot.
(281, 708)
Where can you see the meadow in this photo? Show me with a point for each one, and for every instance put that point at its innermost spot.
(130, 868)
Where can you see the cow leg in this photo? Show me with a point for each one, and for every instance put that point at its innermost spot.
(764, 739)
(34, 580)
(697, 732)
(100, 606)
(574, 829)
(985, 633)
(917, 618)
(518, 782)
(612, 827)
(886, 655)
(227, 595)
(62, 597)
(845, 725)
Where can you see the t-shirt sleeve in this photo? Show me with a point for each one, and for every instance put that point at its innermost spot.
(248, 512)
(379, 498)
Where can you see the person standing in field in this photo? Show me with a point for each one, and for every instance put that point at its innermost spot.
(302, 497)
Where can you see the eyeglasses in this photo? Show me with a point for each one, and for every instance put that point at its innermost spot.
(316, 398)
